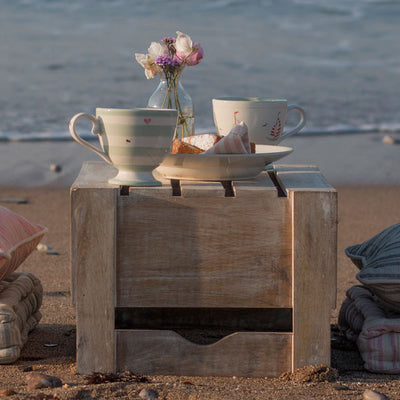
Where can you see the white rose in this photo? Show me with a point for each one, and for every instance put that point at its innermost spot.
(147, 62)
(183, 44)
(157, 49)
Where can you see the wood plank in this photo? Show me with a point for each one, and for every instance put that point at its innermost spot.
(251, 354)
(261, 183)
(304, 178)
(314, 274)
(192, 189)
(93, 266)
(95, 174)
(208, 252)
(295, 167)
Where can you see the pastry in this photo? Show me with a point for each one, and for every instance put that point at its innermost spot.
(180, 147)
(203, 141)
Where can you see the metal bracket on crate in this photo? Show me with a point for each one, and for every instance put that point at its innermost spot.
(176, 187)
(227, 185)
(177, 191)
(124, 190)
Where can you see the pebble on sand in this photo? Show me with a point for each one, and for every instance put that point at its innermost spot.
(37, 380)
(25, 368)
(46, 249)
(43, 247)
(148, 394)
(387, 139)
(56, 168)
(14, 200)
(7, 392)
(372, 395)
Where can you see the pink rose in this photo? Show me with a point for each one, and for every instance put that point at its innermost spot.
(195, 56)
(186, 51)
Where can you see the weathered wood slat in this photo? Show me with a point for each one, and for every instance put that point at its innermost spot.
(252, 354)
(93, 268)
(314, 275)
(298, 179)
(94, 174)
(205, 252)
(301, 177)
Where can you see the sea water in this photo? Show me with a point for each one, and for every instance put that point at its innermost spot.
(338, 59)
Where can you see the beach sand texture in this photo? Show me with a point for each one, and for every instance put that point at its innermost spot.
(364, 210)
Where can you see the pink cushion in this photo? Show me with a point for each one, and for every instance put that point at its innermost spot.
(18, 238)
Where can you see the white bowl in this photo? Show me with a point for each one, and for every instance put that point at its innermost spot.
(220, 167)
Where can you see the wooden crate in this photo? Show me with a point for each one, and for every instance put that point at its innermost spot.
(250, 265)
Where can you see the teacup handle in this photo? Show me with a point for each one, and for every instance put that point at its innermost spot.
(95, 130)
(301, 123)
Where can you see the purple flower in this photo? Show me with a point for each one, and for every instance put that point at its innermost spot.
(166, 61)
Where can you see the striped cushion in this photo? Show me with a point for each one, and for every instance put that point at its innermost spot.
(375, 330)
(18, 238)
(379, 262)
(21, 295)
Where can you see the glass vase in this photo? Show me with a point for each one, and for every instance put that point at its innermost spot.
(171, 94)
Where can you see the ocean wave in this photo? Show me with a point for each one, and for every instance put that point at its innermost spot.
(342, 129)
(41, 137)
(339, 129)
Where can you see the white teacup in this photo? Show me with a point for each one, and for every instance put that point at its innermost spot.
(265, 118)
(135, 141)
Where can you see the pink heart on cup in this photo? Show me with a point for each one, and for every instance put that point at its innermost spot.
(147, 120)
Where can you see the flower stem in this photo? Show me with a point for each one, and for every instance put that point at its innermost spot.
(172, 86)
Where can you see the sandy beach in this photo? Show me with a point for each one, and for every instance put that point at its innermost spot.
(365, 174)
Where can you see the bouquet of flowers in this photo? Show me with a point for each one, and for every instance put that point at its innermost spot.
(167, 59)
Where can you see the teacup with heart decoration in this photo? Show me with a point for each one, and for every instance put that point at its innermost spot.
(135, 140)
